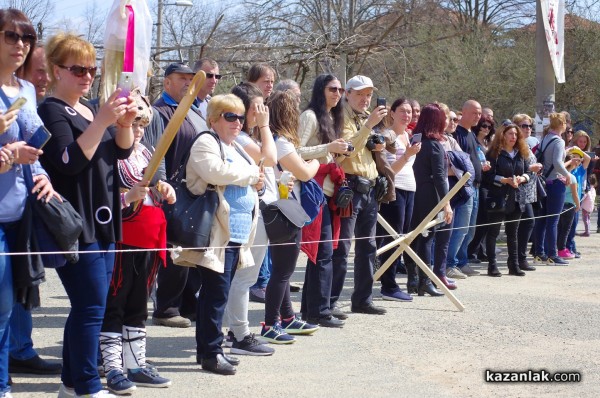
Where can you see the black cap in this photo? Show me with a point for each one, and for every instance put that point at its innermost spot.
(179, 67)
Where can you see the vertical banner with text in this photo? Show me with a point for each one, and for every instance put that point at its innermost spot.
(553, 15)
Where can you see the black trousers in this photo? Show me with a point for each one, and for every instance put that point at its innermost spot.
(127, 300)
(172, 282)
(564, 225)
(278, 302)
(526, 225)
(511, 226)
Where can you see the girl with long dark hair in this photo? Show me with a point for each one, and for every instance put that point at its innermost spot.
(320, 128)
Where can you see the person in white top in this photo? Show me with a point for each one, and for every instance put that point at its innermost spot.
(257, 141)
(320, 128)
(398, 212)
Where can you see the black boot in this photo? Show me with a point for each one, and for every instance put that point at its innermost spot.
(412, 280)
(493, 269)
(425, 286)
(515, 270)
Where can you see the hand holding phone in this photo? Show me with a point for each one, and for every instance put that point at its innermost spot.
(125, 84)
(381, 102)
(18, 104)
(39, 138)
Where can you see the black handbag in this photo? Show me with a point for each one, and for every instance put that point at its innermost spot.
(190, 218)
(283, 219)
(344, 195)
(496, 204)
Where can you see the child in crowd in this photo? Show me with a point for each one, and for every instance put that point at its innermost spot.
(570, 207)
(588, 203)
(123, 334)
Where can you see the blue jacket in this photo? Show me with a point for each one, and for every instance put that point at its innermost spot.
(461, 163)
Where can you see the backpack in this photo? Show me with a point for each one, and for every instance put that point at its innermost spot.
(540, 156)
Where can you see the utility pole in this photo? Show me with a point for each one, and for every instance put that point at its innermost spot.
(159, 32)
(544, 72)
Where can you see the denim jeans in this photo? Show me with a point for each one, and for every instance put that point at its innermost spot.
(86, 283)
(316, 293)
(6, 306)
(236, 311)
(461, 220)
(21, 325)
(463, 255)
(361, 224)
(546, 228)
(398, 214)
(211, 304)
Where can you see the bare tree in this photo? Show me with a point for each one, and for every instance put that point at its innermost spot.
(38, 11)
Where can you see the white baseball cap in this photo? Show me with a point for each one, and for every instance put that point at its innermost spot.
(360, 82)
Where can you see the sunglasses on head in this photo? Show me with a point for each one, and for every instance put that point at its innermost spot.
(11, 38)
(526, 126)
(486, 126)
(80, 71)
(232, 117)
(211, 75)
(336, 90)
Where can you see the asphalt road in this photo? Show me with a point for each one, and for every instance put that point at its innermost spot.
(546, 320)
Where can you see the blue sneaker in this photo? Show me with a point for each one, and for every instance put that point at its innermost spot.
(147, 377)
(297, 326)
(276, 335)
(397, 295)
(118, 384)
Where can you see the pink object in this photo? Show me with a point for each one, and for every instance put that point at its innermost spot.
(565, 253)
(129, 41)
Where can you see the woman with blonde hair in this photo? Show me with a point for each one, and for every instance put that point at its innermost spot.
(81, 157)
(217, 159)
(525, 123)
(509, 160)
(555, 174)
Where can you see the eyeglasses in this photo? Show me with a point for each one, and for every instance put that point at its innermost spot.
(526, 126)
(12, 38)
(486, 126)
(232, 117)
(454, 119)
(211, 75)
(570, 131)
(80, 71)
(336, 90)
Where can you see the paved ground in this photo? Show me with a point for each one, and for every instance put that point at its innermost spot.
(546, 320)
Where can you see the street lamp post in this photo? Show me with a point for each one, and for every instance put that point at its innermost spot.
(161, 4)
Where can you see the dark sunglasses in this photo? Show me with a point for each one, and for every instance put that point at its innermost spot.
(454, 119)
(11, 38)
(232, 117)
(80, 71)
(211, 75)
(336, 90)
(526, 126)
(486, 126)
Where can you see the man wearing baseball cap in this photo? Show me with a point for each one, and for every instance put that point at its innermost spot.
(172, 278)
(361, 174)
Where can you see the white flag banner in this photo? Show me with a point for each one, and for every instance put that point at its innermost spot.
(553, 14)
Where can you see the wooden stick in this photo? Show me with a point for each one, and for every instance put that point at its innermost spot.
(424, 223)
(433, 277)
(173, 126)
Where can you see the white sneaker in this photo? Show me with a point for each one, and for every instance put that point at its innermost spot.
(66, 392)
(455, 273)
(465, 269)
(99, 394)
(5, 395)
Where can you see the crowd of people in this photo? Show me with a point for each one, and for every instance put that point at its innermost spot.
(397, 160)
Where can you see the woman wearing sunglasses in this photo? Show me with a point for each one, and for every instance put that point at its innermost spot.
(17, 39)
(237, 178)
(484, 132)
(81, 157)
(320, 128)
